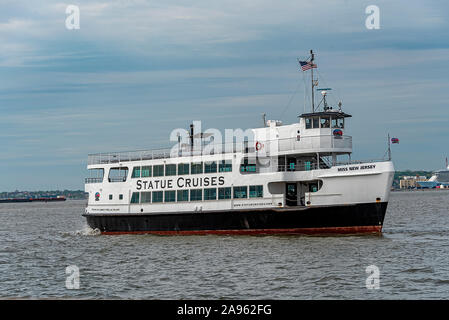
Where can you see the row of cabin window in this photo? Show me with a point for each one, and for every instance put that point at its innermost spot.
(197, 194)
(324, 122)
(181, 169)
(120, 197)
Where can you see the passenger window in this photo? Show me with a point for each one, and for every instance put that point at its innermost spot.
(210, 167)
(170, 196)
(224, 193)
(118, 174)
(158, 196)
(225, 166)
(146, 171)
(158, 171)
(240, 192)
(197, 168)
(136, 172)
(135, 198)
(183, 168)
(170, 169)
(315, 123)
(256, 191)
(145, 197)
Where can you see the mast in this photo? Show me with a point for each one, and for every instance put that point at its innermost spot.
(389, 148)
(311, 69)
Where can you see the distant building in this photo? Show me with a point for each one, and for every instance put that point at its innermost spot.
(409, 182)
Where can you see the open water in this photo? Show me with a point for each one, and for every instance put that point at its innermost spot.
(38, 241)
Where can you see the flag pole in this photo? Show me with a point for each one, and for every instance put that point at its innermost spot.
(311, 69)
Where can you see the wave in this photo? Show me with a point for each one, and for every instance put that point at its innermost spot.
(88, 231)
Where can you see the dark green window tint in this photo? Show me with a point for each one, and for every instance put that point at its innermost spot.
(183, 195)
(196, 194)
(225, 166)
(158, 196)
(210, 167)
(158, 171)
(135, 197)
(248, 166)
(146, 171)
(255, 191)
(197, 168)
(170, 196)
(210, 194)
(224, 193)
(240, 192)
(170, 169)
(183, 168)
(136, 172)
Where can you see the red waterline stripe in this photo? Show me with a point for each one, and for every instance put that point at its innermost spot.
(324, 230)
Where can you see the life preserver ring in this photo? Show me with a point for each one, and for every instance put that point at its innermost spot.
(259, 145)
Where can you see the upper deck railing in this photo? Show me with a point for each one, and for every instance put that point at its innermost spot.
(300, 144)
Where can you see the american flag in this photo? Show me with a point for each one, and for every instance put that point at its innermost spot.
(394, 140)
(306, 65)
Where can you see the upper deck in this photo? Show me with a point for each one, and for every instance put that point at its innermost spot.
(323, 144)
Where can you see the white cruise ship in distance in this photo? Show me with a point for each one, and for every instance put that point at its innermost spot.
(289, 178)
(439, 179)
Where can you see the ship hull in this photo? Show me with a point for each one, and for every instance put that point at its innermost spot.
(337, 219)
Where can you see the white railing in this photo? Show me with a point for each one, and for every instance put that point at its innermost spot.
(269, 148)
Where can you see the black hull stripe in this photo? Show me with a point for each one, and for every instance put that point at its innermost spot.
(356, 218)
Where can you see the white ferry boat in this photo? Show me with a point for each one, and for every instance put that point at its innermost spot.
(287, 179)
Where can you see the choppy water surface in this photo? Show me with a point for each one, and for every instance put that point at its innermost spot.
(39, 240)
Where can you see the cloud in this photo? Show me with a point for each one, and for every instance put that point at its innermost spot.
(137, 69)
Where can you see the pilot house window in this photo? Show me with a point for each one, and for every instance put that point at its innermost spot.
(325, 122)
(308, 123)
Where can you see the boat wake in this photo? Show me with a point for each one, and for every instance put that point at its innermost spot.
(88, 231)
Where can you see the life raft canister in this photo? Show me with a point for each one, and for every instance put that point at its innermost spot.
(337, 132)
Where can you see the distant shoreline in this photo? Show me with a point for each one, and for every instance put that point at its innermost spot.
(68, 194)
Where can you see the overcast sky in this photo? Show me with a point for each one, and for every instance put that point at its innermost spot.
(137, 69)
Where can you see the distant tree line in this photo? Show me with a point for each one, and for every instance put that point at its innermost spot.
(398, 175)
(69, 194)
